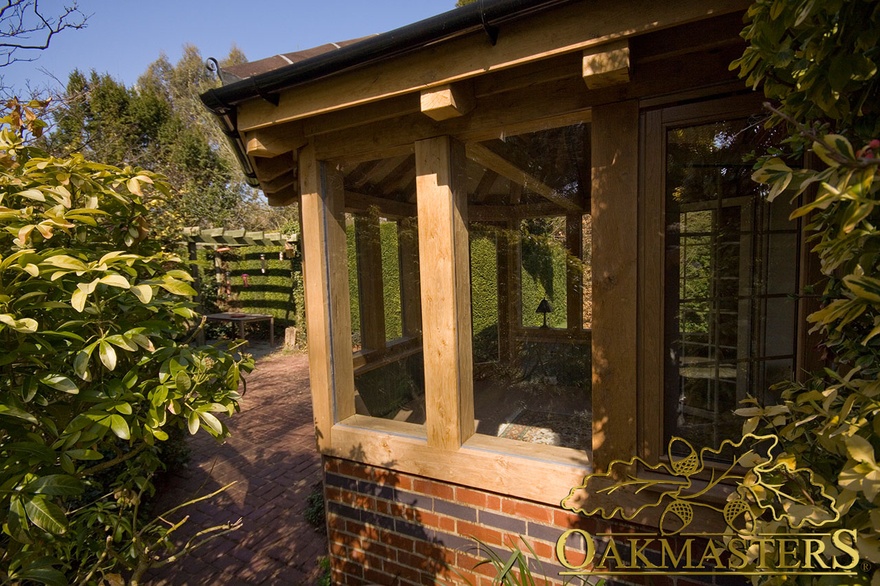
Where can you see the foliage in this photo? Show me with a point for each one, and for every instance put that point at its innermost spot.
(819, 61)
(161, 125)
(513, 571)
(314, 513)
(96, 370)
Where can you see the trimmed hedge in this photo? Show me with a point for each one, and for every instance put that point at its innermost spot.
(274, 286)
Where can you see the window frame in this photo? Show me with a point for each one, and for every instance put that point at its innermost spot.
(652, 266)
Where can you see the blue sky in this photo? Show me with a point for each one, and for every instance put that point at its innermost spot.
(124, 36)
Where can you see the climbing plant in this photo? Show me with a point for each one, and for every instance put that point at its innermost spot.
(96, 367)
(817, 62)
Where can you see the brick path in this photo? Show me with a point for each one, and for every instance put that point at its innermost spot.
(272, 456)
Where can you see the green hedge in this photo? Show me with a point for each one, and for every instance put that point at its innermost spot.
(277, 290)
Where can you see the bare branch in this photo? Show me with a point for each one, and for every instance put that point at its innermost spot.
(26, 28)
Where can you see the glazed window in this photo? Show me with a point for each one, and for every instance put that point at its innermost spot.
(529, 254)
(731, 281)
(382, 255)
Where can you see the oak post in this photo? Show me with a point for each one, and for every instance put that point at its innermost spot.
(326, 294)
(445, 286)
(369, 270)
(615, 136)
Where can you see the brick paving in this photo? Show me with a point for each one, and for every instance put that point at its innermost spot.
(271, 455)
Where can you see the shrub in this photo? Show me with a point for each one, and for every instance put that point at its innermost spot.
(96, 369)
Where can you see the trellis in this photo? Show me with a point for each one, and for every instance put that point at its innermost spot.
(218, 238)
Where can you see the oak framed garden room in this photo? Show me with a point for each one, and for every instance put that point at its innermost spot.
(531, 247)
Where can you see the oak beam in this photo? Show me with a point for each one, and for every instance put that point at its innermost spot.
(607, 65)
(445, 285)
(523, 41)
(360, 203)
(482, 155)
(448, 101)
(325, 272)
(614, 208)
(283, 197)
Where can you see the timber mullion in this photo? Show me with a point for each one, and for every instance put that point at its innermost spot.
(445, 287)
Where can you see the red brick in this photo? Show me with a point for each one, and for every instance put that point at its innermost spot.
(508, 506)
(395, 569)
(375, 576)
(436, 521)
(470, 497)
(352, 469)
(533, 512)
(404, 482)
(490, 536)
(493, 502)
(433, 488)
(400, 542)
(543, 550)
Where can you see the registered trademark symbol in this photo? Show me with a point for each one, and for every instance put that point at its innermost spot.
(866, 566)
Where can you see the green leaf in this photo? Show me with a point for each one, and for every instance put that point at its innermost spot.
(60, 383)
(144, 293)
(45, 514)
(25, 325)
(120, 427)
(80, 454)
(107, 354)
(123, 342)
(44, 575)
(192, 422)
(34, 194)
(63, 261)
(78, 299)
(177, 287)
(115, 280)
(54, 484)
(124, 408)
(212, 422)
(10, 411)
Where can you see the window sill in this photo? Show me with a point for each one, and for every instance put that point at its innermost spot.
(535, 472)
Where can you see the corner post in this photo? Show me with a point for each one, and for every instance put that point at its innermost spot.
(325, 272)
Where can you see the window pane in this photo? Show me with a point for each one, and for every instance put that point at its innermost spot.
(384, 288)
(731, 277)
(530, 251)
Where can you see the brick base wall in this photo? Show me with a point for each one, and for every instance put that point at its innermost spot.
(389, 528)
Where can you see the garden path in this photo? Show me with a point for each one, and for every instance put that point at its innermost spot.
(271, 455)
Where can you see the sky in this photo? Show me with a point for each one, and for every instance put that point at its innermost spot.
(123, 37)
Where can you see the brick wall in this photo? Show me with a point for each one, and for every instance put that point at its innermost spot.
(389, 528)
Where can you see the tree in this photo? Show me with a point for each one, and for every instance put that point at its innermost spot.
(97, 367)
(161, 125)
(26, 28)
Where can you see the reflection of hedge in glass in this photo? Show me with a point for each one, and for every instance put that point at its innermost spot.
(543, 271)
(484, 293)
(390, 249)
